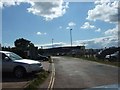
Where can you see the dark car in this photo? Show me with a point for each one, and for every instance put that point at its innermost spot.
(43, 58)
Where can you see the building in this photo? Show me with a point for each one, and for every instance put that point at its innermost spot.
(64, 50)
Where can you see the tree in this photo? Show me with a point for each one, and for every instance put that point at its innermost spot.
(22, 43)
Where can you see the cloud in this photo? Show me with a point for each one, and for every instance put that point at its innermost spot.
(60, 27)
(97, 43)
(98, 30)
(49, 10)
(67, 27)
(59, 44)
(105, 10)
(7, 45)
(39, 33)
(102, 42)
(8, 3)
(87, 25)
(113, 31)
(1, 5)
(71, 24)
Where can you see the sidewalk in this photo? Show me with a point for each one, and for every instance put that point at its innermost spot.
(46, 65)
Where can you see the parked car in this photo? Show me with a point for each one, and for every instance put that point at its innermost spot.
(104, 53)
(107, 57)
(114, 56)
(12, 62)
(43, 58)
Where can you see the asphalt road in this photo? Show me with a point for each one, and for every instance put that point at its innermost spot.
(78, 73)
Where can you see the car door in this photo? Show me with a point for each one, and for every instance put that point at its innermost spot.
(7, 64)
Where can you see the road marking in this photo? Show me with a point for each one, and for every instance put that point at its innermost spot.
(52, 79)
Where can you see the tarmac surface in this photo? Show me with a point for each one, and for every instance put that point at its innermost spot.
(82, 74)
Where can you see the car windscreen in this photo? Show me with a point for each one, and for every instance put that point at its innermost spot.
(13, 56)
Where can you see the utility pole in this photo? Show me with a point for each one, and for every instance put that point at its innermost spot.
(71, 36)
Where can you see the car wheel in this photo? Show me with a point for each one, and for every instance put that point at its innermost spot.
(19, 72)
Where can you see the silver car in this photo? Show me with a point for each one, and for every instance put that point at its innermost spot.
(12, 62)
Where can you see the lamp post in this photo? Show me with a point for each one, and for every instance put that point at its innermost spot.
(71, 36)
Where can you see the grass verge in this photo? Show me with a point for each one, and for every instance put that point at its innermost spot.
(40, 78)
(50, 60)
(114, 63)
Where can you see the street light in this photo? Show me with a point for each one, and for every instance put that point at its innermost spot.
(71, 36)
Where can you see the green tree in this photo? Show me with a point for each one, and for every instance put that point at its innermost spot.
(22, 43)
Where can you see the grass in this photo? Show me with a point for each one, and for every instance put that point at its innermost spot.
(114, 63)
(50, 60)
(40, 78)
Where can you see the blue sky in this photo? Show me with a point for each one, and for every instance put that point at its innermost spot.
(91, 26)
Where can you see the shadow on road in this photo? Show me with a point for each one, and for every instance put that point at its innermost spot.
(9, 77)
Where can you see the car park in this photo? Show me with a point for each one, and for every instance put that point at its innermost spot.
(12, 62)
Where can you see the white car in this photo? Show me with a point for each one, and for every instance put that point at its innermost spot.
(12, 62)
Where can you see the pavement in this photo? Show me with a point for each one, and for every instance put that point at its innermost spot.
(8, 81)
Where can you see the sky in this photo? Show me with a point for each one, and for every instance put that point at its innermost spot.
(93, 24)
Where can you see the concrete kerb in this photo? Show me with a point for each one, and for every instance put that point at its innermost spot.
(49, 70)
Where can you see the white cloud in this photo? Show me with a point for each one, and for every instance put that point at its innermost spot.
(1, 5)
(102, 42)
(87, 25)
(7, 45)
(59, 44)
(8, 3)
(49, 10)
(67, 27)
(45, 33)
(39, 33)
(60, 27)
(105, 10)
(98, 30)
(71, 24)
(113, 31)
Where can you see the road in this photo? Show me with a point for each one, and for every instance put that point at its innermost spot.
(78, 73)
